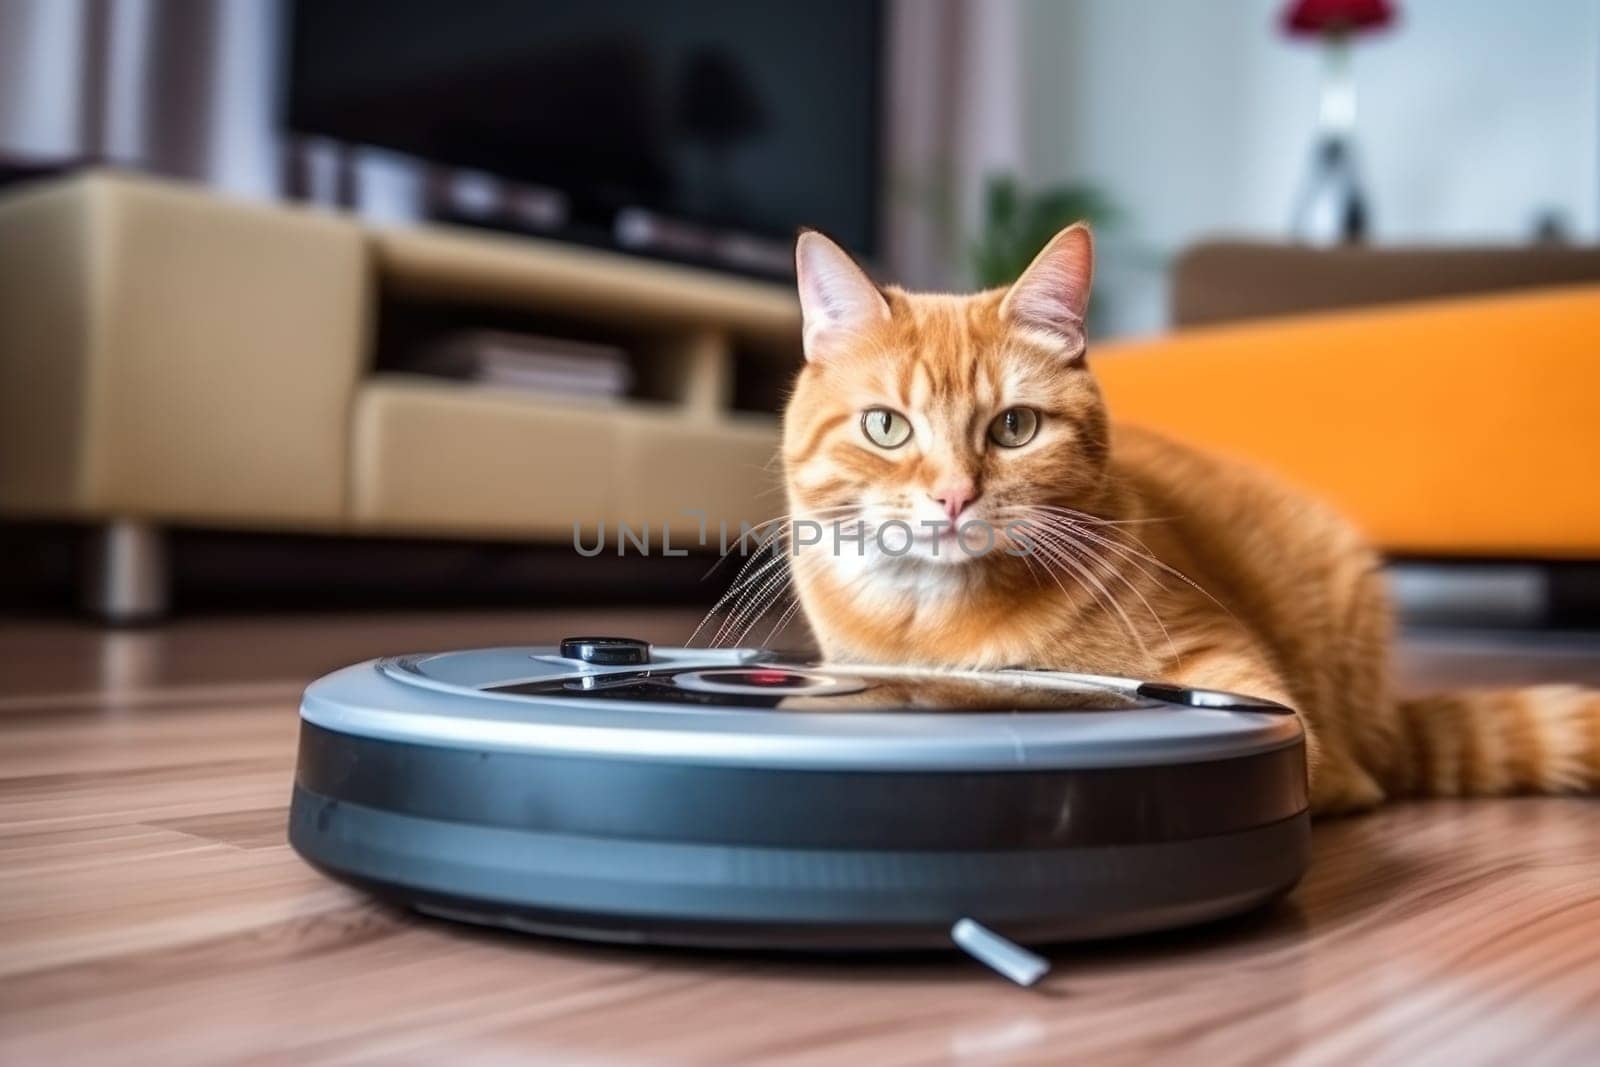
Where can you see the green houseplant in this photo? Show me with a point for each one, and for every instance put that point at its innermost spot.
(1017, 222)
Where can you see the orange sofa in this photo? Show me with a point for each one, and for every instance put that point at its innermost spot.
(1464, 427)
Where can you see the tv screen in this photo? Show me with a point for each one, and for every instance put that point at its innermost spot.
(756, 116)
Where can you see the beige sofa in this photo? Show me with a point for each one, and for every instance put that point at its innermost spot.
(171, 358)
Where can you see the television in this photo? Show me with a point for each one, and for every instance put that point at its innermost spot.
(679, 129)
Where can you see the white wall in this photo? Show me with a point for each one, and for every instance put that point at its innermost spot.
(1474, 116)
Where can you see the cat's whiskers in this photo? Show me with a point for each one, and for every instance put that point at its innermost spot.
(1064, 539)
(746, 587)
(1089, 524)
(764, 578)
(1055, 548)
(740, 584)
(1141, 553)
(1069, 537)
(780, 587)
(1079, 537)
(749, 572)
(762, 542)
(1095, 520)
(1050, 570)
(747, 615)
(1027, 560)
(744, 534)
(783, 621)
(755, 605)
(745, 531)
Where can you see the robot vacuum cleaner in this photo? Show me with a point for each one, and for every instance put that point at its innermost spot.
(606, 790)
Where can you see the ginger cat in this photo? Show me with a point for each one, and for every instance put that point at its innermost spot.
(1115, 550)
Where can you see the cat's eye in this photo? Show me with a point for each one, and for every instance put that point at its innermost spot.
(1014, 427)
(885, 428)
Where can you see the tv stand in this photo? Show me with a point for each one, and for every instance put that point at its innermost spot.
(169, 357)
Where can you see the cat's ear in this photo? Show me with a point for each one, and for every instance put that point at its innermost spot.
(1053, 293)
(837, 299)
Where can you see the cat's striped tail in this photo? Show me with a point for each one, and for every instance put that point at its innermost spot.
(1543, 739)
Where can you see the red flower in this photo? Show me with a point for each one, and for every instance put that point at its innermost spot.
(1313, 18)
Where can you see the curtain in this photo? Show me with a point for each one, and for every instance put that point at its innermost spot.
(187, 89)
(954, 116)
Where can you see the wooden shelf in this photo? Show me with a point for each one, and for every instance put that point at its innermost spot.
(703, 345)
(447, 262)
(712, 357)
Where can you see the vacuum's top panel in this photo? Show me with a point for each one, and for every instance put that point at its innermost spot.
(616, 698)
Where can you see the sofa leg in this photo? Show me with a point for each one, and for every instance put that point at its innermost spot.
(125, 572)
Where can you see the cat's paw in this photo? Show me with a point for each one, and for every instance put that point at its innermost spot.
(1343, 790)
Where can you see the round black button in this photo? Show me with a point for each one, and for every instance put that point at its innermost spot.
(606, 651)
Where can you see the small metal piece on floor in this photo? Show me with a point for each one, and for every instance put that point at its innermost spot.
(1006, 958)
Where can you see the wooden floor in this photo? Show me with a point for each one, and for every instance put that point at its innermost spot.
(151, 912)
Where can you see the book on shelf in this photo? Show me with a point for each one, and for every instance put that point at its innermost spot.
(528, 361)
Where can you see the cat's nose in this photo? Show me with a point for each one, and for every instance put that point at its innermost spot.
(954, 498)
